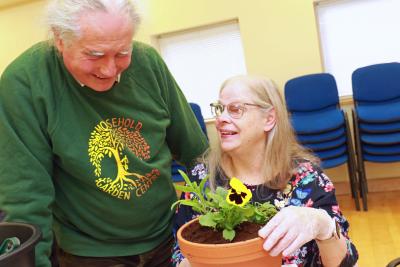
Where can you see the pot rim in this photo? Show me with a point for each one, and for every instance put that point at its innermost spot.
(27, 246)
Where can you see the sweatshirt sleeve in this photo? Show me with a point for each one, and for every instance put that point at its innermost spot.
(26, 188)
(185, 137)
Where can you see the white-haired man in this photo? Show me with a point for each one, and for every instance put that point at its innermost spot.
(88, 124)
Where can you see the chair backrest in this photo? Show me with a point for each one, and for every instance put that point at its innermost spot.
(375, 83)
(175, 166)
(319, 122)
(311, 93)
(199, 116)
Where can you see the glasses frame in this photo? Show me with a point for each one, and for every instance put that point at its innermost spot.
(242, 107)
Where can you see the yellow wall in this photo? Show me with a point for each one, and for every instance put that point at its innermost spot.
(20, 27)
(279, 37)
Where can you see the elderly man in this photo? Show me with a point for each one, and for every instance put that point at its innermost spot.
(88, 124)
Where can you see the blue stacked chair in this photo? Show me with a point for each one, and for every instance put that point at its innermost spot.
(320, 124)
(376, 116)
(176, 177)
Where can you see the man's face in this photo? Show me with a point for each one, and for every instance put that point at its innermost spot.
(101, 52)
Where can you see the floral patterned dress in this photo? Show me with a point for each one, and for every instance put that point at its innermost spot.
(308, 187)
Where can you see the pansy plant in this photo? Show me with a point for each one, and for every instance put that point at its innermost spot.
(224, 209)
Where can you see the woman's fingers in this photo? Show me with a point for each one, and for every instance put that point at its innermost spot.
(289, 229)
(295, 245)
(277, 231)
(284, 242)
(294, 226)
(184, 263)
(270, 226)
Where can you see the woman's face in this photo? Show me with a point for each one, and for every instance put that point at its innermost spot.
(245, 134)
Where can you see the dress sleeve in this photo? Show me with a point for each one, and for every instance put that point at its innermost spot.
(185, 213)
(312, 180)
(26, 188)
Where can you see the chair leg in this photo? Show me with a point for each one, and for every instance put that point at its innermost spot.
(353, 184)
(351, 165)
(363, 186)
(360, 163)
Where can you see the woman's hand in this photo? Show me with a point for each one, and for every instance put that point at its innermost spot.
(294, 226)
(184, 263)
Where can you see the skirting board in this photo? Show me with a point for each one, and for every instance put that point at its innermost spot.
(374, 185)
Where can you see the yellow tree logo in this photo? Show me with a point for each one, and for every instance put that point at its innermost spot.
(111, 138)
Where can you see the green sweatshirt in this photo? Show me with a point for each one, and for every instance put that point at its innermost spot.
(93, 167)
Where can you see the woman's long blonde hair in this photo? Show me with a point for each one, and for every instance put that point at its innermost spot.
(282, 149)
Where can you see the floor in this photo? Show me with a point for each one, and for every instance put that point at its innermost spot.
(376, 232)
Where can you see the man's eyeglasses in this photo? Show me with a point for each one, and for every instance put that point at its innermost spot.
(235, 109)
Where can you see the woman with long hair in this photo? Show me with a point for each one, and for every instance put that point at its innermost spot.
(258, 146)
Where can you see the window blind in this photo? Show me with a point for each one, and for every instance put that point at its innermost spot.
(356, 33)
(201, 59)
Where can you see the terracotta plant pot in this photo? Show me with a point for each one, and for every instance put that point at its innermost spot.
(239, 254)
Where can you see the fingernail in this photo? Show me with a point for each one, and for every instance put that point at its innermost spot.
(261, 234)
(273, 253)
(267, 246)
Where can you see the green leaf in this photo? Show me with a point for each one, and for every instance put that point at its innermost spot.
(187, 202)
(185, 177)
(183, 188)
(207, 220)
(222, 192)
(248, 211)
(224, 205)
(218, 217)
(203, 182)
(228, 234)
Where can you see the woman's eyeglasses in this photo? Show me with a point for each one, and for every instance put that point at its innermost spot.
(235, 109)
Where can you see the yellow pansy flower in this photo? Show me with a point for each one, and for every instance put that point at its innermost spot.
(239, 194)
